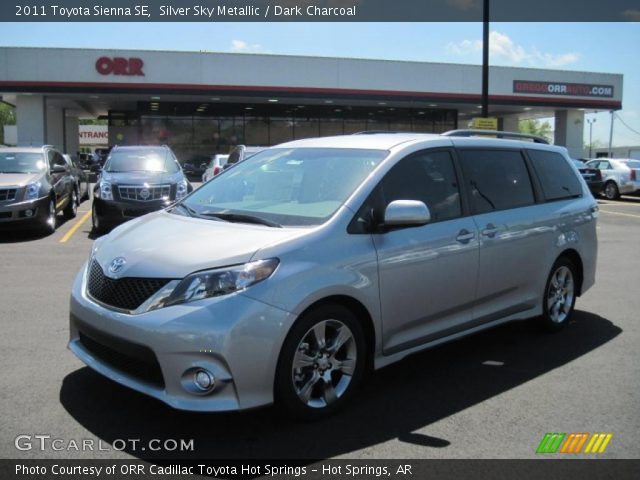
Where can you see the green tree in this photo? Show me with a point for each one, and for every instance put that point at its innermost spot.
(7, 117)
(533, 126)
(92, 121)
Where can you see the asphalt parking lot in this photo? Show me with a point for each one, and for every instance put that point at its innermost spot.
(492, 395)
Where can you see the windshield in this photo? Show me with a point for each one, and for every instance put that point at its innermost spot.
(151, 160)
(289, 186)
(579, 164)
(22, 162)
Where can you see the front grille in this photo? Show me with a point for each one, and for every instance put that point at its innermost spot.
(8, 194)
(130, 358)
(141, 193)
(124, 293)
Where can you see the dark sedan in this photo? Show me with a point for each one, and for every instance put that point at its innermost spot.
(592, 176)
(135, 181)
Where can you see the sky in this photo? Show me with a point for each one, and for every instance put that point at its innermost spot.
(595, 47)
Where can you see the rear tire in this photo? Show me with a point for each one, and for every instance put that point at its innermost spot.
(611, 191)
(560, 294)
(321, 363)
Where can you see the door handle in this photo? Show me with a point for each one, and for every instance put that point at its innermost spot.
(490, 231)
(465, 236)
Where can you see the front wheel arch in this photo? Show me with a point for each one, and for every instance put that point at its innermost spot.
(286, 396)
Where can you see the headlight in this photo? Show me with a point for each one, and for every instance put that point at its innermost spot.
(211, 283)
(181, 189)
(32, 191)
(105, 192)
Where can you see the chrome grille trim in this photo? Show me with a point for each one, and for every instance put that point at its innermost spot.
(8, 194)
(135, 192)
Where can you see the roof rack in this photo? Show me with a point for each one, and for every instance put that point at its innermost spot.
(494, 133)
(377, 132)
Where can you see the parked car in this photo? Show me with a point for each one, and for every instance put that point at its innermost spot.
(241, 153)
(136, 180)
(620, 176)
(592, 176)
(85, 160)
(311, 262)
(80, 176)
(216, 165)
(35, 184)
(195, 167)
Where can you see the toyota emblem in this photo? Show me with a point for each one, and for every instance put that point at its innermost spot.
(117, 264)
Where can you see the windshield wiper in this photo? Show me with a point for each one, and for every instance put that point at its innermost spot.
(190, 211)
(241, 218)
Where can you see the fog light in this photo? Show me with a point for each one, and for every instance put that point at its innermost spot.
(204, 380)
(28, 213)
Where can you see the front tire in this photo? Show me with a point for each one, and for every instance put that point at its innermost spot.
(96, 223)
(49, 219)
(611, 191)
(321, 364)
(559, 295)
(71, 210)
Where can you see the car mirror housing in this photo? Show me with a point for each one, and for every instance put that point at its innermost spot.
(406, 213)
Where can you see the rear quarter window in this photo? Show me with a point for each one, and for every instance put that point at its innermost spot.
(557, 178)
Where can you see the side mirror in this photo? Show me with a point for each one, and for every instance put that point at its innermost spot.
(58, 169)
(406, 213)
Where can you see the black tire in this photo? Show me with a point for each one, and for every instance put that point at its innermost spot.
(611, 191)
(71, 210)
(559, 299)
(48, 225)
(86, 193)
(96, 222)
(331, 387)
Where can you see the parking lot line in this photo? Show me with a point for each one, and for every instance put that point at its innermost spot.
(75, 228)
(620, 213)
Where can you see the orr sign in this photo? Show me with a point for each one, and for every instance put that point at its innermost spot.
(562, 88)
(120, 66)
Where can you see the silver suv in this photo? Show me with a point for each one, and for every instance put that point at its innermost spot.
(288, 276)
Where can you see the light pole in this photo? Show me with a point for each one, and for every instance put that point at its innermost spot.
(591, 121)
(485, 60)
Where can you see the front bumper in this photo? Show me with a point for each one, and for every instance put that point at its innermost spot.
(14, 213)
(236, 338)
(112, 212)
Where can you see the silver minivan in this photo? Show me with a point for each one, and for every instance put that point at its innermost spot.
(287, 277)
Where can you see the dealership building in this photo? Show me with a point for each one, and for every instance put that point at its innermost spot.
(201, 103)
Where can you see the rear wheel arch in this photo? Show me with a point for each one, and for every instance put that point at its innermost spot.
(574, 257)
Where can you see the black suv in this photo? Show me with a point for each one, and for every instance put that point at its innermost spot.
(136, 180)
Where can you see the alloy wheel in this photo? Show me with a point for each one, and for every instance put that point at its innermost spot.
(324, 363)
(611, 191)
(560, 294)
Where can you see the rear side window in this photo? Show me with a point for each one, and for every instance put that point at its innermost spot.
(557, 178)
(496, 179)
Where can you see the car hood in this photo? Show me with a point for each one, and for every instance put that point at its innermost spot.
(166, 245)
(20, 179)
(140, 178)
